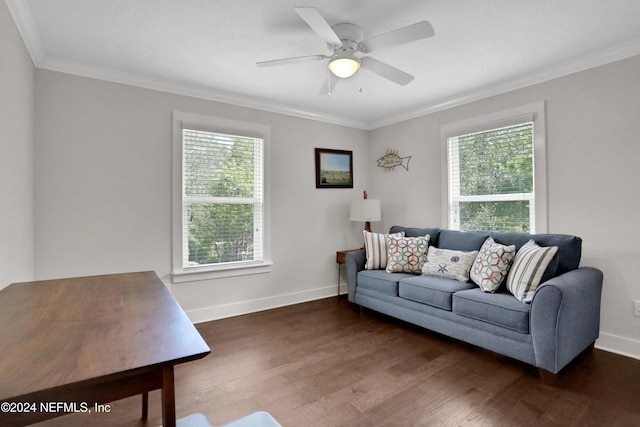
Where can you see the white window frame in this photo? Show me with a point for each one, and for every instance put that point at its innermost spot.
(534, 112)
(180, 273)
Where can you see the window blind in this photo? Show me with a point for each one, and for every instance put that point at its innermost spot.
(491, 179)
(223, 198)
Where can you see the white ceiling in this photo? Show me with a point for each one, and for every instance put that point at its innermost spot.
(208, 49)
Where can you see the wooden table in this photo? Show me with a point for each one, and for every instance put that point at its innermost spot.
(71, 345)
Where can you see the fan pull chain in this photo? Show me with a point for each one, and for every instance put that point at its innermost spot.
(329, 82)
(360, 77)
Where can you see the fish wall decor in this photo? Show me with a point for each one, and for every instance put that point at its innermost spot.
(391, 159)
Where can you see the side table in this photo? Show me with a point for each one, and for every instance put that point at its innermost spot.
(341, 258)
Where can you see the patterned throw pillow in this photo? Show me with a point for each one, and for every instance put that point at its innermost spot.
(492, 264)
(528, 267)
(376, 246)
(407, 254)
(449, 263)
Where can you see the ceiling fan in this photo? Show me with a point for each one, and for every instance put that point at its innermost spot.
(347, 40)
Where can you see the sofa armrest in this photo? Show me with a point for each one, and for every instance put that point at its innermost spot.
(355, 262)
(565, 317)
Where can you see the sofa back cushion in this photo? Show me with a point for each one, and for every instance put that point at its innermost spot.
(567, 258)
(462, 240)
(569, 247)
(418, 232)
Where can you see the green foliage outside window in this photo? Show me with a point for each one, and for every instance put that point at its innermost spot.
(219, 175)
(495, 216)
(220, 233)
(495, 163)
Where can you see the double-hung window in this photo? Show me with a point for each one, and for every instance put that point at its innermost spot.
(219, 196)
(496, 172)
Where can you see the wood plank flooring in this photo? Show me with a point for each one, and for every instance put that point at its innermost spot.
(323, 364)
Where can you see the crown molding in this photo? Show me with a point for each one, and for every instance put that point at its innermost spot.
(23, 19)
(195, 91)
(596, 59)
(623, 51)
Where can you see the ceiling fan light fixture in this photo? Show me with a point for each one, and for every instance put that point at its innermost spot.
(344, 66)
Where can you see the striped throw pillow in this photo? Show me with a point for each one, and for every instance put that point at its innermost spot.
(376, 246)
(528, 267)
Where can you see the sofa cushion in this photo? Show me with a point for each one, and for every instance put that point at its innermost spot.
(500, 309)
(431, 290)
(462, 240)
(377, 247)
(381, 281)
(492, 264)
(449, 263)
(569, 248)
(417, 232)
(528, 267)
(406, 254)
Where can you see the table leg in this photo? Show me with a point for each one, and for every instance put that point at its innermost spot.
(145, 405)
(168, 397)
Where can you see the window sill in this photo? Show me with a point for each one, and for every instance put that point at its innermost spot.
(196, 274)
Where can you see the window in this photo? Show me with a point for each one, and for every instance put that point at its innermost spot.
(219, 196)
(496, 172)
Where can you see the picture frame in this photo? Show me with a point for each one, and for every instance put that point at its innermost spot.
(334, 168)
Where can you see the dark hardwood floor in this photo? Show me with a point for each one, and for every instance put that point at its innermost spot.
(323, 364)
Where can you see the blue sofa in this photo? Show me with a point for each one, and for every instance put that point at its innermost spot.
(562, 320)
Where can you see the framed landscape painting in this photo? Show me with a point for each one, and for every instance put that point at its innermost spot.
(334, 168)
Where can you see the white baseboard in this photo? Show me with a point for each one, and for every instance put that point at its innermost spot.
(251, 306)
(344, 288)
(619, 345)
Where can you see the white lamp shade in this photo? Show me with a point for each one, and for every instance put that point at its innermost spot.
(365, 210)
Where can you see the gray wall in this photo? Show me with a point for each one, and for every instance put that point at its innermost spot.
(16, 154)
(103, 193)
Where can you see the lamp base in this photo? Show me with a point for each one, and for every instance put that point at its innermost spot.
(367, 227)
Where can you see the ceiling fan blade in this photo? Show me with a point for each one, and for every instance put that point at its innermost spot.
(293, 60)
(418, 31)
(316, 21)
(386, 71)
